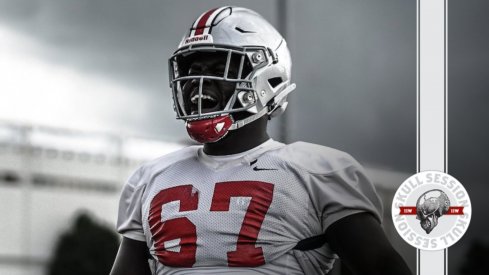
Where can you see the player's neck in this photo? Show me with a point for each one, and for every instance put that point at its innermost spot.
(240, 140)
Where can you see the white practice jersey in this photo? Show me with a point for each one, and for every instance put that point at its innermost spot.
(244, 213)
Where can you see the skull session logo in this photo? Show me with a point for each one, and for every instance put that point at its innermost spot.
(428, 210)
(431, 210)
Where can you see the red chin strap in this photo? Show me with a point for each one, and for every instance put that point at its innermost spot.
(209, 130)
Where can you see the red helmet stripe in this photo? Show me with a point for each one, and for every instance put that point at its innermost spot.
(203, 19)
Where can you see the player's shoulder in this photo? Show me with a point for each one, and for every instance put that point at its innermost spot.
(315, 158)
(150, 168)
(164, 161)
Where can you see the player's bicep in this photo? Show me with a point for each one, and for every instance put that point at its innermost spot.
(360, 235)
(131, 259)
(356, 235)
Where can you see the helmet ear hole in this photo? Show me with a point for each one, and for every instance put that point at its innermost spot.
(274, 81)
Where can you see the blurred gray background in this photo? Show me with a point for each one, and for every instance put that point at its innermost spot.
(101, 67)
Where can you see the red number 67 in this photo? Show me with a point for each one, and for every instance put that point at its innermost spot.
(246, 254)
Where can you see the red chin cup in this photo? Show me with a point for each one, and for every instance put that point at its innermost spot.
(209, 130)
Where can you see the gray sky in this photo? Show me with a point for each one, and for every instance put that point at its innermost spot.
(354, 65)
(356, 75)
(121, 42)
(468, 112)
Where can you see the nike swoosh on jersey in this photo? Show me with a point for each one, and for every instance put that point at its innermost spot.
(263, 169)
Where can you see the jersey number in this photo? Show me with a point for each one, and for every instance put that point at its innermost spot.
(246, 254)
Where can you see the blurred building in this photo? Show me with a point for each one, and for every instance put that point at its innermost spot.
(48, 174)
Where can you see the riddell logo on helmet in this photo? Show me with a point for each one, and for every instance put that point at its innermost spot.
(431, 210)
(205, 38)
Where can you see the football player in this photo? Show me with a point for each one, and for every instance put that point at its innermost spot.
(243, 203)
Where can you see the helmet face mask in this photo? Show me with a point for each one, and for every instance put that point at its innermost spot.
(231, 63)
(232, 71)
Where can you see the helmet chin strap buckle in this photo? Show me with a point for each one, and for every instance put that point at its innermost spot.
(209, 130)
(279, 102)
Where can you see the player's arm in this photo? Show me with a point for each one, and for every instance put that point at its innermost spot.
(131, 259)
(362, 245)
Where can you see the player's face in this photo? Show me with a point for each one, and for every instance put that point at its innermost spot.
(215, 93)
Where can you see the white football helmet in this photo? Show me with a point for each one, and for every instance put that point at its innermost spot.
(262, 81)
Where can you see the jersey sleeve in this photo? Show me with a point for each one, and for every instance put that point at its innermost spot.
(345, 192)
(129, 220)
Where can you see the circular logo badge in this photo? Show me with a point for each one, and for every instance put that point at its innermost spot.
(431, 210)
